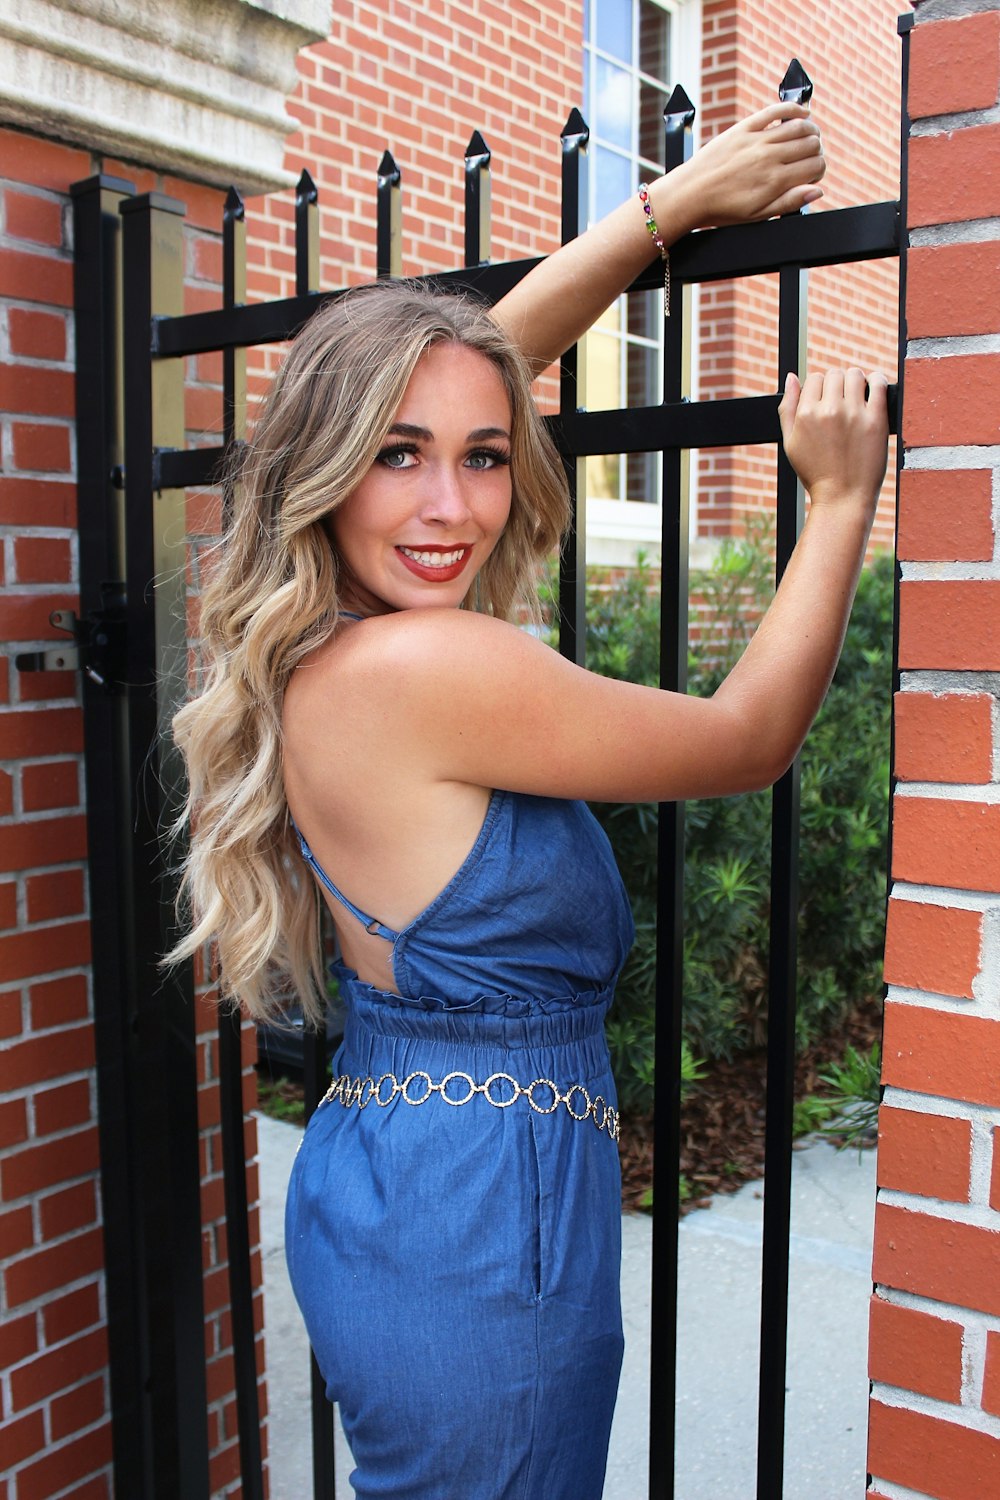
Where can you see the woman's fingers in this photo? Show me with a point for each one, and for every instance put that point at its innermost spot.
(767, 164)
(803, 148)
(878, 391)
(791, 202)
(772, 114)
(833, 386)
(812, 389)
(855, 388)
(789, 403)
(835, 434)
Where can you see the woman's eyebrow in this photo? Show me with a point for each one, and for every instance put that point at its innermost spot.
(424, 434)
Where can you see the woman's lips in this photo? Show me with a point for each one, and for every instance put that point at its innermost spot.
(436, 564)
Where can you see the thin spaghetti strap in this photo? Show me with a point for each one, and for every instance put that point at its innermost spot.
(370, 924)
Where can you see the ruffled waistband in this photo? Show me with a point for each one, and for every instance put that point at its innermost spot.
(387, 1033)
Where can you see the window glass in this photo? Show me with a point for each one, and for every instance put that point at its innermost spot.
(645, 314)
(654, 41)
(642, 478)
(652, 99)
(613, 104)
(643, 373)
(604, 476)
(628, 72)
(614, 28)
(614, 181)
(603, 372)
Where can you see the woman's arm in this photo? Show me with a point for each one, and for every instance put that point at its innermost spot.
(451, 696)
(768, 164)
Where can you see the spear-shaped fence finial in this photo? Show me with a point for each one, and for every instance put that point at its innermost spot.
(234, 207)
(678, 117)
(796, 87)
(477, 201)
(576, 132)
(388, 237)
(574, 138)
(306, 235)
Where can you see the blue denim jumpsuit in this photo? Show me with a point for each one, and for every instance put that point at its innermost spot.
(458, 1267)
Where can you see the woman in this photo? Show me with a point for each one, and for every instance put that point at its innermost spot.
(373, 729)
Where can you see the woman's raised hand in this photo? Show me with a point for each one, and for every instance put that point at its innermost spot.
(835, 429)
(767, 164)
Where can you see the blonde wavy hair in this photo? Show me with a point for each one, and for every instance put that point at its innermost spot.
(273, 598)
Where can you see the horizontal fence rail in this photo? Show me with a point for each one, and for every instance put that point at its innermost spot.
(840, 236)
(788, 247)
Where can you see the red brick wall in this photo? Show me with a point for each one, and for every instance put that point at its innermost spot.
(433, 76)
(54, 1384)
(935, 1326)
(54, 1414)
(852, 54)
(419, 80)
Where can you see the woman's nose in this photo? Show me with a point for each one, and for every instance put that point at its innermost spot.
(444, 499)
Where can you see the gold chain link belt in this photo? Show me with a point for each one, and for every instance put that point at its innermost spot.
(361, 1091)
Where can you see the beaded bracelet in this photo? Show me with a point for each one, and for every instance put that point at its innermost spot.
(660, 244)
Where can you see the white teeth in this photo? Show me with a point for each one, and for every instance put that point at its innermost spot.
(434, 559)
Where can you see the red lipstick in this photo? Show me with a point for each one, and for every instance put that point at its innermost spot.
(435, 573)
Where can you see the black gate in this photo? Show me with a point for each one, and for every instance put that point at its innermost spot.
(132, 340)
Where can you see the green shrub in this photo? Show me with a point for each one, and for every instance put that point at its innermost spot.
(845, 792)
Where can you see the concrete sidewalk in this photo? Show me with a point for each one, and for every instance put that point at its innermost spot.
(833, 1204)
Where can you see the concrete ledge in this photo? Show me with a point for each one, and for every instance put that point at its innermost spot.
(196, 87)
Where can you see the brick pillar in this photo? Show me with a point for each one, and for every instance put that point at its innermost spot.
(55, 1420)
(53, 1383)
(935, 1325)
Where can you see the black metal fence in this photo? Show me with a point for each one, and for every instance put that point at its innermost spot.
(132, 341)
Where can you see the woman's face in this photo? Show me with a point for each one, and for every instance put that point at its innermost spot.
(432, 507)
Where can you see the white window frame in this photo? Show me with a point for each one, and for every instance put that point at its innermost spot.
(617, 529)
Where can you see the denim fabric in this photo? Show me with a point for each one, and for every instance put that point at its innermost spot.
(458, 1268)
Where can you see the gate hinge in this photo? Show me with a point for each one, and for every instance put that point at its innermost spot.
(98, 644)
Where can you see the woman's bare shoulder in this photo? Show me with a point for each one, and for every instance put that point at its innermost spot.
(373, 672)
(369, 654)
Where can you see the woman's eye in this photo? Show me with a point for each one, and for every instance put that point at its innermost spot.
(396, 458)
(486, 458)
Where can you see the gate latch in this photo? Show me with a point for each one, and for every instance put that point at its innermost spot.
(98, 643)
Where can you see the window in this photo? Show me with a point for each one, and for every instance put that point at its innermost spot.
(634, 52)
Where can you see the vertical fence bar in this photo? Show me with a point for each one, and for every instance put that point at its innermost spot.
(477, 201)
(678, 119)
(306, 235)
(234, 361)
(573, 556)
(100, 458)
(782, 977)
(314, 1039)
(321, 1410)
(307, 280)
(797, 88)
(230, 1023)
(389, 229)
(162, 1070)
